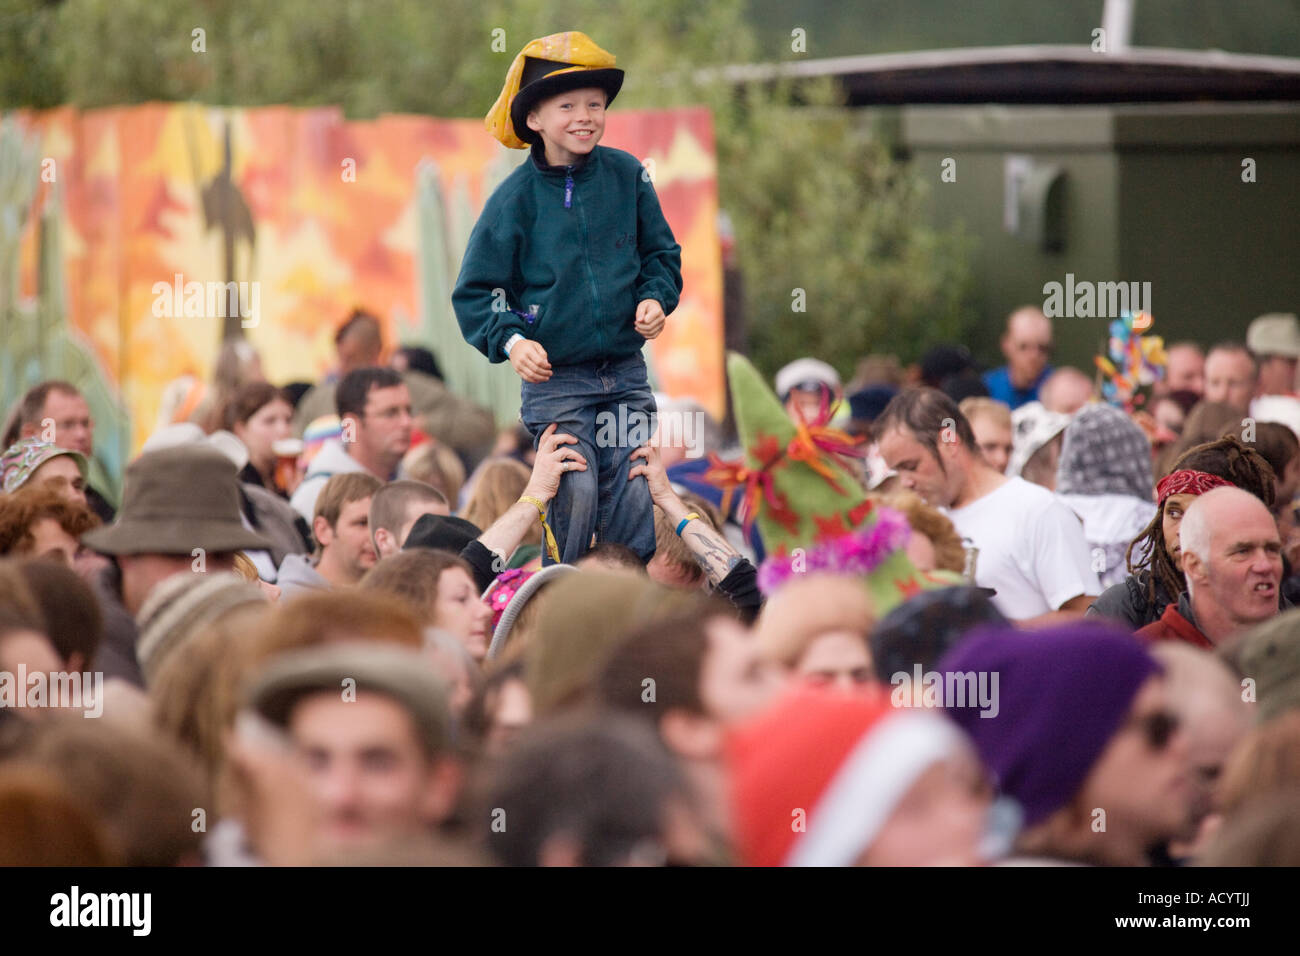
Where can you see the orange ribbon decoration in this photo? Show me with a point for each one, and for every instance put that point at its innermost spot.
(757, 482)
(803, 447)
(813, 445)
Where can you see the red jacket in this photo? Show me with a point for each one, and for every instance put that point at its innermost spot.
(1173, 626)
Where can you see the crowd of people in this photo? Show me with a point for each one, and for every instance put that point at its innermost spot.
(318, 628)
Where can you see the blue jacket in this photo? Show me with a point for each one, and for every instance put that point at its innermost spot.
(562, 255)
(998, 382)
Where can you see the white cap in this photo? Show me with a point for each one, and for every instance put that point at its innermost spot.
(805, 370)
(1032, 427)
(1282, 409)
(1277, 333)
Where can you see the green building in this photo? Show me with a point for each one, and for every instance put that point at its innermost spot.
(1178, 171)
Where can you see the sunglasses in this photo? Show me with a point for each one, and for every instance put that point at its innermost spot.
(1158, 728)
(810, 387)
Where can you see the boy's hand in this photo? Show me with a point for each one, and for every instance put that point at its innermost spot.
(529, 359)
(650, 318)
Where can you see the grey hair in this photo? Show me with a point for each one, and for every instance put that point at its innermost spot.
(1194, 531)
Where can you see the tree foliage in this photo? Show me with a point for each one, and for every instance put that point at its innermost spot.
(817, 204)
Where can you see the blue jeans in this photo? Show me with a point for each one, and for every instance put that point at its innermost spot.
(604, 406)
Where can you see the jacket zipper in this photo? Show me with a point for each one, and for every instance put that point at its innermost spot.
(586, 253)
(591, 278)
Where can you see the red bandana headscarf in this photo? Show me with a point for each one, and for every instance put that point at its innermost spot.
(1188, 482)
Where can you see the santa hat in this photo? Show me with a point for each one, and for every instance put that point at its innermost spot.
(812, 513)
(817, 776)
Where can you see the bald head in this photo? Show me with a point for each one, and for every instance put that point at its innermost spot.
(1027, 344)
(1232, 559)
(1065, 391)
(1184, 368)
(1230, 376)
(1027, 320)
(1221, 510)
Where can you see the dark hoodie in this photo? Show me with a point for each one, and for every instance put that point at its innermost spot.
(1127, 602)
(583, 244)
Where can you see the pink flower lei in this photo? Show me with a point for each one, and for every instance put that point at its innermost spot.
(857, 553)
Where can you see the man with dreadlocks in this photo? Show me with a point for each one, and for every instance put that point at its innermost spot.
(1155, 578)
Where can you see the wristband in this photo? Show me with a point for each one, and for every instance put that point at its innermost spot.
(685, 521)
(510, 343)
(551, 547)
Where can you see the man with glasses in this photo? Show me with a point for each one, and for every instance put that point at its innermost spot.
(374, 407)
(1232, 559)
(1027, 345)
(1088, 755)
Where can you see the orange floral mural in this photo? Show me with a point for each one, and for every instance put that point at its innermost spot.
(318, 214)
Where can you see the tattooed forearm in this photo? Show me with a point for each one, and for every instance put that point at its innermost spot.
(713, 553)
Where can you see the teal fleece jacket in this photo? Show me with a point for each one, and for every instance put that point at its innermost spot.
(562, 255)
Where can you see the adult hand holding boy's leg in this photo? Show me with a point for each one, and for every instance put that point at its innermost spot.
(650, 318)
(710, 548)
(529, 360)
(656, 476)
(553, 460)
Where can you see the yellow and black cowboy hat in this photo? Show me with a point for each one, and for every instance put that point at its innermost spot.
(546, 67)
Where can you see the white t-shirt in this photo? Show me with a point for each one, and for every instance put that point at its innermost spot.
(1031, 549)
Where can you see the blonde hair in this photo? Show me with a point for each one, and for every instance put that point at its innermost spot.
(245, 567)
(497, 486)
(435, 464)
(196, 694)
(342, 490)
(949, 553)
(673, 550)
(978, 406)
(807, 607)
